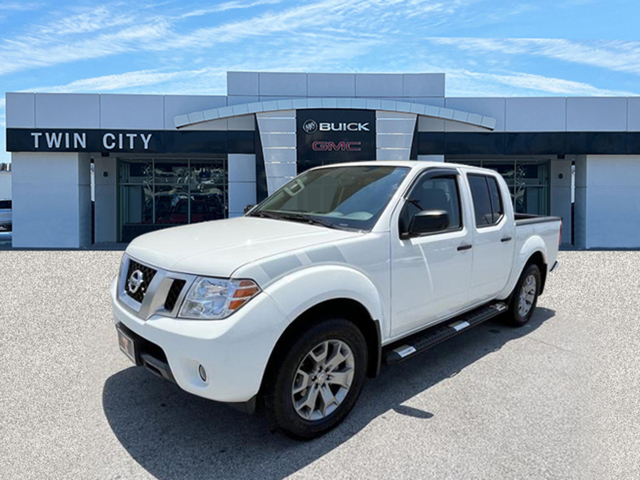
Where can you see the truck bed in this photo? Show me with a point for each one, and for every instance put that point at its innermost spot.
(527, 219)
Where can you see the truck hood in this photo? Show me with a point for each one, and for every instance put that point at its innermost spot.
(220, 247)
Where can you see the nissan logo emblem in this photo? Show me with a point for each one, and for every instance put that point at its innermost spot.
(135, 281)
(310, 126)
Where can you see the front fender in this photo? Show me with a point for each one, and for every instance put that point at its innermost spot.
(531, 245)
(299, 291)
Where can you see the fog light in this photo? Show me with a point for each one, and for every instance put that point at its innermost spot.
(202, 372)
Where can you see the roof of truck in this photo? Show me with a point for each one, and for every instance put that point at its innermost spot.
(400, 163)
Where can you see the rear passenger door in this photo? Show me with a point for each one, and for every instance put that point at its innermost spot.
(493, 237)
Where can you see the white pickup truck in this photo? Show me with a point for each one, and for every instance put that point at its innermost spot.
(345, 268)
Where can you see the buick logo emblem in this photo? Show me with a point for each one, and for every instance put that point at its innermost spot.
(310, 126)
(135, 281)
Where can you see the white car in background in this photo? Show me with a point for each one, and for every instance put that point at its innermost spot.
(5, 215)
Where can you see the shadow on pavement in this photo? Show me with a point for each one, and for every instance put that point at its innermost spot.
(173, 434)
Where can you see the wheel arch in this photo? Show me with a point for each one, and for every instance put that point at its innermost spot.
(351, 310)
(537, 258)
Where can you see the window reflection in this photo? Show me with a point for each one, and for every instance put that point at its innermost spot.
(158, 193)
(528, 182)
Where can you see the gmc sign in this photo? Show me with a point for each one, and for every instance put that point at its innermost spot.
(335, 135)
(338, 147)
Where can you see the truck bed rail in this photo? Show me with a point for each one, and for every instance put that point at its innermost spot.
(527, 219)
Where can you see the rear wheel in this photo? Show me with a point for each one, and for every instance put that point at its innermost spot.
(525, 296)
(316, 379)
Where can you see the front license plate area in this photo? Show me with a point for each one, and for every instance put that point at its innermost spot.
(127, 345)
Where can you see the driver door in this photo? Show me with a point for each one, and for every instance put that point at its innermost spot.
(430, 273)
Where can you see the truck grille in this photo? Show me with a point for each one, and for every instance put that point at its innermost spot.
(147, 275)
(174, 293)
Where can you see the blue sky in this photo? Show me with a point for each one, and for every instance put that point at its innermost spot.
(486, 47)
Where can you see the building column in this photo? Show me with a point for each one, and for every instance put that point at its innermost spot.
(608, 201)
(242, 183)
(51, 200)
(580, 212)
(560, 195)
(394, 135)
(278, 138)
(431, 158)
(106, 200)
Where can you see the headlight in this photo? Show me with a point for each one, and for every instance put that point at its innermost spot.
(215, 298)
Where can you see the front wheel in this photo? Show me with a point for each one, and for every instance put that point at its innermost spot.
(316, 379)
(525, 296)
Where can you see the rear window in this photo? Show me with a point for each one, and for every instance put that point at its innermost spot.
(496, 199)
(487, 201)
(5, 204)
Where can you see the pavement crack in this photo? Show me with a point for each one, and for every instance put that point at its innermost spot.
(560, 348)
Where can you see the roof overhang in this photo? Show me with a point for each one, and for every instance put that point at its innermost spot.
(473, 119)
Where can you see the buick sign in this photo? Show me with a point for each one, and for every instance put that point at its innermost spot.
(335, 135)
(310, 127)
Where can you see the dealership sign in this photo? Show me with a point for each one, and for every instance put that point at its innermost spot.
(77, 140)
(129, 141)
(329, 136)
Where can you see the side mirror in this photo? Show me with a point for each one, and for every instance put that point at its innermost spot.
(428, 221)
(248, 208)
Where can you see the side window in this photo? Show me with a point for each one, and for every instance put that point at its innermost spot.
(487, 202)
(496, 199)
(439, 193)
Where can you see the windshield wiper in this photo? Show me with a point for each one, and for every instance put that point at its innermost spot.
(266, 214)
(299, 217)
(295, 217)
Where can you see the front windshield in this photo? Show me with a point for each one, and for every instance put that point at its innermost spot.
(351, 197)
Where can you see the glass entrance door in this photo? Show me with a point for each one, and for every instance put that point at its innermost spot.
(163, 192)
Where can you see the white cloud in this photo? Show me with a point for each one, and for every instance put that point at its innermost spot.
(142, 30)
(19, 6)
(88, 20)
(477, 82)
(31, 51)
(617, 55)
(223, 7)
(122, 81)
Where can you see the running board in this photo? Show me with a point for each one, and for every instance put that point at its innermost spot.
(430, 337)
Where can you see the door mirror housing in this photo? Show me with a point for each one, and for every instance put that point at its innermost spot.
(248, 208)
(428, 221)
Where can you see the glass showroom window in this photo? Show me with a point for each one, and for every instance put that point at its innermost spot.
(159, 193)
(528, 182)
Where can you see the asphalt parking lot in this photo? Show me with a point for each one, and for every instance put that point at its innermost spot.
(559, 398)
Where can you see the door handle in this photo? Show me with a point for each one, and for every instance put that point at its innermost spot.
(506, 239)
(464, 247)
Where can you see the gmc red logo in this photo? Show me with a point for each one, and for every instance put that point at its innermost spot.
(338, 147)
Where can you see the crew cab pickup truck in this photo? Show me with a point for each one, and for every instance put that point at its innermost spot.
(345, 268)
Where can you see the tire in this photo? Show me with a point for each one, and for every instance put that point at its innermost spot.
(525, 296)
(294, 396)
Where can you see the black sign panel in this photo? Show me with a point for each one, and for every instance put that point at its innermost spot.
(138, 141)
(338, 135)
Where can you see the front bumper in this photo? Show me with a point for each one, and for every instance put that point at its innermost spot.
(234, 352)
(148, 355)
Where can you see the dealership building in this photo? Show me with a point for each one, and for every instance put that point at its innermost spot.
(166, 160)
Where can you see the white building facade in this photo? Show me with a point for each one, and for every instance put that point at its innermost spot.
(166, 160)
